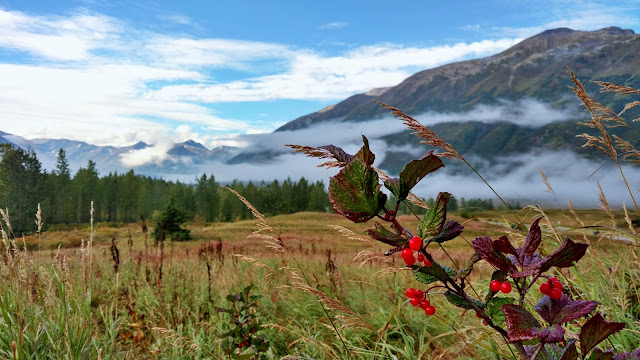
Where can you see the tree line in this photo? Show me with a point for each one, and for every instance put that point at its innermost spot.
(126, 196)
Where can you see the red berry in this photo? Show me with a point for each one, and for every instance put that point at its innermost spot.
(411, 292)
(495, 285)
(406, 253)
(553, 279)
(421, 258)
(430, 310)
(485, 322)
(419, 294)
(409, 260)
(556, 294)
(427, 262)
(424, 303)
(415, 301)
(505, 287)
(478, 315)
(415, 243)
(545, 288)
(558, 285)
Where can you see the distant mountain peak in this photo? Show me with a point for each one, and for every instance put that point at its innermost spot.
(140, 145)
(192, 144)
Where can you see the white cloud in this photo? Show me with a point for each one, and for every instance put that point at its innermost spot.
(334, 25)
(313, 76)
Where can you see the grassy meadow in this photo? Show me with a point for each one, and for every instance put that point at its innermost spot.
(66, 293)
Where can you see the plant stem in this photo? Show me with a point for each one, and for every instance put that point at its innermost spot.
(496, 193)
(628, 188)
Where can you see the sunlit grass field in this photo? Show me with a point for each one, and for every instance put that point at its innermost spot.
(68, 300)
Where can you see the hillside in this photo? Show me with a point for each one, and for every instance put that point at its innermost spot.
(534, 68)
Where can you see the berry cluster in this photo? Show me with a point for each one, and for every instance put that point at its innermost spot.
(415, 244)
(479, 316)
(553, 288)
(417, 299)
(496, 286)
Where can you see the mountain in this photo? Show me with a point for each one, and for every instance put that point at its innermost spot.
(182, 159)
(534, 68)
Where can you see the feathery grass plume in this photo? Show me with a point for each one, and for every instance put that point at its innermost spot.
(349, 234)
(178, 341)
(577, 218)
(319, 153)
(278, 245)
(628, 220)
(629, 151)
(605, 205)
(602, 117)
(39, 225)
(614, 88)
(251, 260)
(430, 138)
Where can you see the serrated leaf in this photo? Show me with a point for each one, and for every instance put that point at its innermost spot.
(503, 245)
(365, 154)
(414, 171)
(494, 309)
(598, 354)
(570, 352)
(432, 223)
(450, 231)
(381, 233)
(393, 184)
(433, 273)
(531, 244)
(522, 326)
(568, 253)
(564, 309)
(460, 301)
(483, 246)
(355, 192)
(634, 355)
(595, 330)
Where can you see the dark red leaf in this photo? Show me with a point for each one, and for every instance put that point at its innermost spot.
(522, 326)
(450, 231)
(568, 253)
(564, 309)
(570, 352)
(483, 246)
(595, 331)
(534, 237)
(634, 355)
(601, 355)
(503, 245)
(365, 154)
(338, 153)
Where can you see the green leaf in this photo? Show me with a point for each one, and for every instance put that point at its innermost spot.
(393, 184)
(414, 171)
(432, 223)
(433, 273)
(355, 192)
(461, 302)
(449, 231)
(381, 233)
(596, 330)
(494, 310)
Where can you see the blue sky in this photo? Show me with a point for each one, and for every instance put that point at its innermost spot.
(118, 72)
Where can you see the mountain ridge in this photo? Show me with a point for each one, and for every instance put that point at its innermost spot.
(536, 67)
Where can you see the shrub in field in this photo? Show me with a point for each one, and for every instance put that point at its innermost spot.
(566, 327)
(242, 340)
